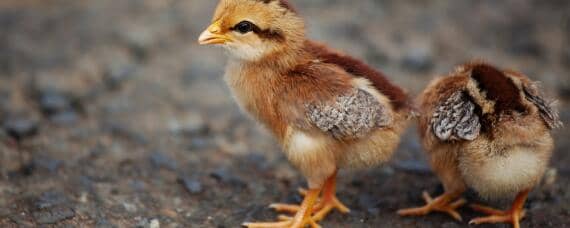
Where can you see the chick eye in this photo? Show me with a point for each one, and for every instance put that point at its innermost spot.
(244, 27)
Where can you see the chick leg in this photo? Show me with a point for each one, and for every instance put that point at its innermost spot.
(326, 204)
(329, 200)
(302, 217)
(513, 215)
(442, 203)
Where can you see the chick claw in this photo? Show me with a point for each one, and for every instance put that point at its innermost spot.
(441, 204)
(512, 216)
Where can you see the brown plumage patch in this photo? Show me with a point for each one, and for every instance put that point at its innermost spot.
(498, 87)
(269, 34)
(397, 96)
(283, 3)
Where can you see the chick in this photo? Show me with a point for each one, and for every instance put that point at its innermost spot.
(326, 109)
(489, 130)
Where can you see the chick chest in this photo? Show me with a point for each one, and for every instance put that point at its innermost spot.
(253, 90)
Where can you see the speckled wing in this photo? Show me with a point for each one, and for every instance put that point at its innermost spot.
(349, 116)
(455, 119)
(547, 111)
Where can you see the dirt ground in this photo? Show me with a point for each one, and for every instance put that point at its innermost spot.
(112, 116)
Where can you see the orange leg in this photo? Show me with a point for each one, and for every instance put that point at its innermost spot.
(442, 203)
(513, 216)
(326, 204)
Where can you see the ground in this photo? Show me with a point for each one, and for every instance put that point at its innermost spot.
(112, 116)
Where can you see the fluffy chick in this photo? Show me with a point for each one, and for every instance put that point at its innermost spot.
(489, 130)
(327, 110)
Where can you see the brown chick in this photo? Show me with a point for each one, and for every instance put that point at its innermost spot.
(327, 110)
(489, 130)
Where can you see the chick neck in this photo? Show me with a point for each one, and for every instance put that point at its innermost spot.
(281, 61)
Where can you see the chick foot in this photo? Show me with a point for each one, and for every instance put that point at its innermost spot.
(302, 217)
(442, 203)
(325, 205)
(513, 216)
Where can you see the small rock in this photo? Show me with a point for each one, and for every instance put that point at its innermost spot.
(52, 101)
(53, 215)
(147, 223)
(418, 60)
(64, 118)
(160, 160)
(104, 223)
(46, 163)
(154, 223)
(129, 207)
(50, 199)
(191, 185)
(368, 203)
(224, 176)
(191, 124)
(121, 130)
(117, 74)
(21, 128)
(197, 143)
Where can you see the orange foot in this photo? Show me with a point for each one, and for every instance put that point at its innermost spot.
(442, 203)
(325, 205)
(513, 216)
(302, 217)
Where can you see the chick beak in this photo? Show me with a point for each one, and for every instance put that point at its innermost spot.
(213, 35)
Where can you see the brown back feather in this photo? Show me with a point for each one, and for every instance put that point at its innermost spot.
(397, 96)
(498, 87)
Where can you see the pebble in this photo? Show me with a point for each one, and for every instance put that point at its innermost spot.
(46, 163)
(198, 143)
(52, 101)
(368, 203)
(65, 118)
(418, 60)
(160, 160)
(154, 223)
(193, 186)
(121, 130)
(117, 74)
(21, 128)
(224, 176)
(52, 207)
(191, 124)
(50, 199)
(53, 215)
(104, 223)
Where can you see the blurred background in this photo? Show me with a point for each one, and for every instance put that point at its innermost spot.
(112, 116)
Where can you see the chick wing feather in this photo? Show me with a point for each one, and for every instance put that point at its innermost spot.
(455, 118)
(548, 113)
(350, 116)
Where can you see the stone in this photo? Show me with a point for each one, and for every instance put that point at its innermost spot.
(21, 128)
(53, 101)
(192, 185)
(64, 118)
(50, 199)
(160, 160)
(53, 215)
